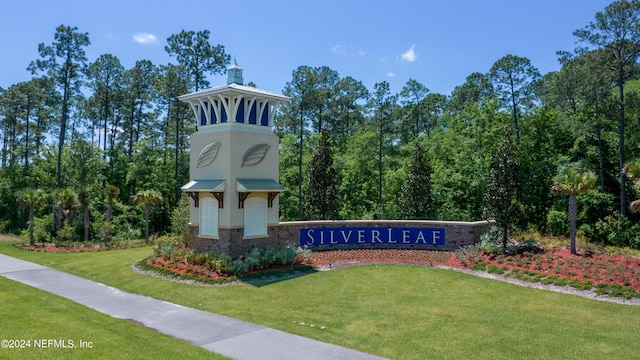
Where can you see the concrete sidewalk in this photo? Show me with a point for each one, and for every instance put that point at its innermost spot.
(220, 334)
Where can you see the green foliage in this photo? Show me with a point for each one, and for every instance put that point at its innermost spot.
(180, 222)
(503, 186)
(614, 230)
(581, 285)
(194, 52)
(262, 258)
(256, 259)
(537, 156)
(322, 184)
(42, 230)
(594, 205)
(494, 269)
(489, 242)
(557, 222)
(469, 255)
(415, 200)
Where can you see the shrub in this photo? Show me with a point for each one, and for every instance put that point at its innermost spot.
(304, 254)
(180, 221)
(469, 255)
(494, 235)
(489, 245)
(220, 263)
(287, 255)
(267, 257)
(580, 285)
(557, 222)
(239, 267)
(252, 259)
(165, 249)
(561, 281)
(626, 292)
(514, 272)
(603, 289)
(42, 230)
(549, 280)
(493, 269)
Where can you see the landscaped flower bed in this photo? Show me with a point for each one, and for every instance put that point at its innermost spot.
(561, 266)
(422, 257)
(607, 275)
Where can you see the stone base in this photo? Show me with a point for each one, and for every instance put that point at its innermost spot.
(232, 242)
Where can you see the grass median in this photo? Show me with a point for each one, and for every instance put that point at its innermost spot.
(395, 311)
(40, 325)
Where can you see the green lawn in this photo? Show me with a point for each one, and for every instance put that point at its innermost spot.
(35, 317)
(395, 311)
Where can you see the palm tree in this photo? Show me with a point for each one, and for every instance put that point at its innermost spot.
(32, 199)
(110, 193)
(148, 198)
(67, 203)
(572, 181)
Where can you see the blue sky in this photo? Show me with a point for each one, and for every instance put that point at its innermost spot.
(438, 43)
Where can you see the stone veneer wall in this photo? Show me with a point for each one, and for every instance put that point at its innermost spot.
(231, 241)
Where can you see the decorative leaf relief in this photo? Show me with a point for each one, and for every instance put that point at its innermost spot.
(255, 155)
(208, 154)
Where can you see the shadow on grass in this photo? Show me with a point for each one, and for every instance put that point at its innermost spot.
(257, 279)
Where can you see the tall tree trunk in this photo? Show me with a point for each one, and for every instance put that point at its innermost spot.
(515, 112)
(147, 210)
(177, 155)
(107, 230)
(300, 167)
(131, 131)
(379, 212)
(573, 212)
(31, 240)
(26, 145)
(63, 131)
(600, 148)
(86, 223)
(623, 200)
(38, 132)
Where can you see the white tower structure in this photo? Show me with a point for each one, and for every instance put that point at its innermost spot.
(234, 166)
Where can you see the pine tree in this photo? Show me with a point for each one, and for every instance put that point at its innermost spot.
(502, 187)
(416, 200)
(320, 203)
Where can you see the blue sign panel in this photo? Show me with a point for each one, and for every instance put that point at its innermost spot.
(371, 236)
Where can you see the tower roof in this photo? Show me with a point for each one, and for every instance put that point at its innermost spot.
(232, 90)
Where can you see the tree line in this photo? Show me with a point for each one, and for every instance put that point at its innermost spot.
(493, 148)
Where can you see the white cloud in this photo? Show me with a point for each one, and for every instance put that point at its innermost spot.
(358, 52)
(145, 38)
(409, 55)
(339, 50)
(391, 74)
